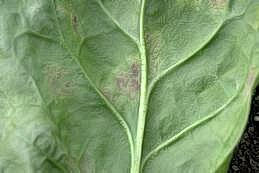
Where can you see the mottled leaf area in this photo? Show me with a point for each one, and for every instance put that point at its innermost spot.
(125, 86)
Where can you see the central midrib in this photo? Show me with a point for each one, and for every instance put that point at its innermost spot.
(136, 167)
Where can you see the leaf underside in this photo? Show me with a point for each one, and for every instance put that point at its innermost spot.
(125, 86)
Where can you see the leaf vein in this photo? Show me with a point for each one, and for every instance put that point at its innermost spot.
(117, 24)
(181, 62)
(191, 127)
(187, 129)
(119, 117)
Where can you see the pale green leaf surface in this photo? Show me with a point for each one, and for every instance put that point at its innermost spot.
(125, 86)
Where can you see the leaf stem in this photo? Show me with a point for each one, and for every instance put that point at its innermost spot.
(136, 167)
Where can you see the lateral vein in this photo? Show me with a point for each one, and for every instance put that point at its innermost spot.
(121, 120)
(191, 127)
(170, 69)
(116, 22)
(181, 62)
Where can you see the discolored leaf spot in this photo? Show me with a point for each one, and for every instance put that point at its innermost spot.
(74, 22)
(135, 70)
(108, 94)
(122, 82)
(57, 82)
(201, 84)
(134, 85)
(128, 83)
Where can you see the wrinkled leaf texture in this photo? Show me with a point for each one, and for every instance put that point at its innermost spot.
(125, 86)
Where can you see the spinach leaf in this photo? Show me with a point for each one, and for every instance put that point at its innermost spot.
(125, 86)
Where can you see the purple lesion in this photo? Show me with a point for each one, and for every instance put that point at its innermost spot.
(128, 82)
(122, 82)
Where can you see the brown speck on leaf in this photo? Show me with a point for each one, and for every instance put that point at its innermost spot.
(74, 22)
(135, 69)
(68, 84)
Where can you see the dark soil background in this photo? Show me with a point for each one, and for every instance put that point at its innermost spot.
(246, 155)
